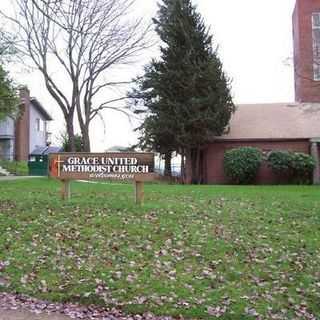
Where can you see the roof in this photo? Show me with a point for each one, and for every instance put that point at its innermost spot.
(120, 149)
(45, 150)
(274, 121)
(41, 109)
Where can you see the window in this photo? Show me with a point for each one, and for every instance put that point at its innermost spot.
(42, 123)
(38, 124)
(316, 45)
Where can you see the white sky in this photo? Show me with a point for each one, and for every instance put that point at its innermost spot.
(255, 43)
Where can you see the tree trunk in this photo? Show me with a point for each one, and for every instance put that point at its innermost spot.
(188, 166)
(167, 164)
(197, 178)
(183, 167)
(70, 132)
(194, 166)
(85, 139)
(193, 172)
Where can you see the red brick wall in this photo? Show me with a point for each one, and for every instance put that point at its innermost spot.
(306, 90)
(214, 154)
(23, 127)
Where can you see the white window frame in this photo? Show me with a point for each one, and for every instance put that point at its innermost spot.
(316, 47)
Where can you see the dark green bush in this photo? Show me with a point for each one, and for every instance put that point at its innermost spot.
(65, 142)
(242, 164)
(279, 161)
(296, 166)
(302, 166)
(19, 168)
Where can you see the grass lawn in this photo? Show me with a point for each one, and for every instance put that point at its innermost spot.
(196, 251)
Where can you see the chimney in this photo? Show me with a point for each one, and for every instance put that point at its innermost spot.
(22, 132)
(306, 44)
(24, 93)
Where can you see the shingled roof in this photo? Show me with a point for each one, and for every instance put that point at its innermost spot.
(274, 121)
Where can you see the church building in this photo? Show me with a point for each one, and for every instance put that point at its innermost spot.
(281, 126)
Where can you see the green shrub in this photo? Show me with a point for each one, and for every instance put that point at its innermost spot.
(242, 164)
(302, 166)
(65, 142)
(295, 166)
(279, 161)
(19, 168)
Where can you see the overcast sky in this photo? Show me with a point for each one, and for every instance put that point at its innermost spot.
(255, 46)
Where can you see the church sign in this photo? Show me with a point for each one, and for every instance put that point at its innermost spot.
(124, 166)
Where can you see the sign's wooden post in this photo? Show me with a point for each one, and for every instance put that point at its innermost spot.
(65, 190)
(139, 192)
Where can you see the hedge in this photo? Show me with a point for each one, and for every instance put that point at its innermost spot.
(242, 164)
(296, 166)
(19, 168)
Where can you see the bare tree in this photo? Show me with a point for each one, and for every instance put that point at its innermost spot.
(84, 39)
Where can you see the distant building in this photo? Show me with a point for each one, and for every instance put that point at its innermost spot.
(306, 44)
(18, 138)
(282, 126)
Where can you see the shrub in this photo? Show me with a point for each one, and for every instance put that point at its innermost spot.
(302, 166)
(242, 164)
(65, 142)
(19, 168)
(297, 167)
(279, 161)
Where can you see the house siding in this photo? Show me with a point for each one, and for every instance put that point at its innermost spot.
(7, 149)
(214, 155)
(7, 138)
(37, 138)
(7, 128)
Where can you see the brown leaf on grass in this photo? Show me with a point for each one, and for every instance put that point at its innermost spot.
(217, 311)
(73, 310)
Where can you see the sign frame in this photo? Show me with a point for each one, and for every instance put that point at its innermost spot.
(103, 166)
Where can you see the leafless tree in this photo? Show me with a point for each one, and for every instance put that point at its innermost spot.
(84, 39)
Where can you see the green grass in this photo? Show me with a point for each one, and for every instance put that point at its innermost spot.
(187, 251)
(19, 168)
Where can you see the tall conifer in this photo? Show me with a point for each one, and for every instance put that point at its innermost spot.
(186, 92)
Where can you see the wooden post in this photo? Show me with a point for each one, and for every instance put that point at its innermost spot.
(65, 190)
(139, 192)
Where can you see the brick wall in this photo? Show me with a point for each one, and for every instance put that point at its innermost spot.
(306, 90)
(214, 154)
(22, 131)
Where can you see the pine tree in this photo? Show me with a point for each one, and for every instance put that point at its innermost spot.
(157, 130)
(8, 97)
(190, 93)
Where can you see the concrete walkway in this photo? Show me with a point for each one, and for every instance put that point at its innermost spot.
(9, 178)
(26, 315)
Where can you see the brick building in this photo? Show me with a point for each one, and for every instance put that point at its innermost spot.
(291, 126)
(29, 131)
(306, 44)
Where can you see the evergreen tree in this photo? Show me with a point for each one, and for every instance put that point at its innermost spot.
(8, 97)
(191, 97)
(157, 130)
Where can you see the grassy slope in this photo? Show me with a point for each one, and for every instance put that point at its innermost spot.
(248, 249)
(19, 168)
